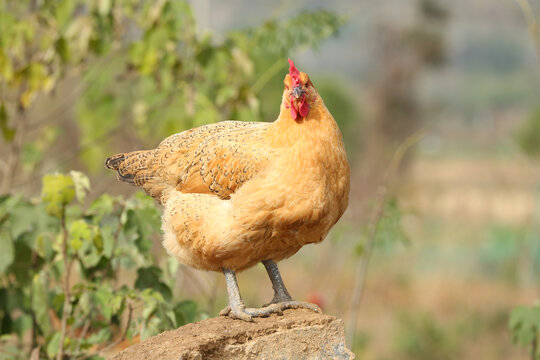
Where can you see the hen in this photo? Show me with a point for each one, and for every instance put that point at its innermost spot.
(239, 193)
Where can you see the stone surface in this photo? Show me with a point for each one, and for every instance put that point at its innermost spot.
(298, 334)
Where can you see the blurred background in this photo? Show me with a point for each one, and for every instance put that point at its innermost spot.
(438, 255)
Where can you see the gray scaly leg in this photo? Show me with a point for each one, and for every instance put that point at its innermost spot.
(282, 299)
(280, 291)
(236, 308)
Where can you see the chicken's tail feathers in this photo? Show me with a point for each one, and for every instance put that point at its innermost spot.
(113, 162)
(132, 167)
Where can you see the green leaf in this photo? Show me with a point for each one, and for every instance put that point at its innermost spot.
(185, 312)
(40, 302)
(524, 324)
(102, 298)
(107, 237)
(7, 255)
(116, 304)
(150, 278)
(22, 263)
(104, 7)
(91, 258)
(43, 246)
(6, 65)
(58, 190)
(82, 184)
(79, 234)
(85, 304)
(52, 346)
(8, 132)
(102, 206)
(22, 324)
(100, 337)
(25, 217)
(58, 301)
(62, 48)
(64, 12)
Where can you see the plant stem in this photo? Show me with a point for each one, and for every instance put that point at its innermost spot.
(124, 332)
(84, 331)
(267, 75)
(67, 272)
(373, 226)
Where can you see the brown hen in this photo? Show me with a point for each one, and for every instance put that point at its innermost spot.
(238, 193)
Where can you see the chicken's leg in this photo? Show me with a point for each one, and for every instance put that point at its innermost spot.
(280, 291)
(236, 308)
(282, 299)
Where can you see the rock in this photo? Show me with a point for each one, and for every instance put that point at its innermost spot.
(298, 334)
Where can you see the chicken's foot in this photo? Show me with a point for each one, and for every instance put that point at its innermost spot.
(282, 299)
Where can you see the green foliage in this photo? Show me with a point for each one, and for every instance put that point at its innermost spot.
(528, 135)
(58, 191)
(390, 227)
(137, 65)
(110, 234)
(420, 337)
(524, 325)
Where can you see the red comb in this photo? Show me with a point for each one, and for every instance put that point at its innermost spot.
(295, 74)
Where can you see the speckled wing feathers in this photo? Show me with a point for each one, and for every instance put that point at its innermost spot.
(228, 159)
(214, 159)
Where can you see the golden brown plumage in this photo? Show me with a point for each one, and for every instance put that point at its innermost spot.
(237, 193)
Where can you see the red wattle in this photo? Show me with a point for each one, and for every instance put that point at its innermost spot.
(294, 114)
(304, 107)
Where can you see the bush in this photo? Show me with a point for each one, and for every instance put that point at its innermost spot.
(60, 287)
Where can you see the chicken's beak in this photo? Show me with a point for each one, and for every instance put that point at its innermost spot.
(298, 91)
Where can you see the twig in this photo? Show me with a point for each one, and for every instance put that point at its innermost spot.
(382, 196)
(267, 76)
(84, 331)
(122, 336)
(67, 272)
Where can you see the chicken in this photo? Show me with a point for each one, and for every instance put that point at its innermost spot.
(239, 193)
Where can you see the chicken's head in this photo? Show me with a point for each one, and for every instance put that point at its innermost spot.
(299, 92)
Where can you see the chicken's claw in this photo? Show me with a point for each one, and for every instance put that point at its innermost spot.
(238, 313)
(293, 304)
(226, 311)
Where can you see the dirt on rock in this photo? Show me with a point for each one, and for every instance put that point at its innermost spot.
(298, 334)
